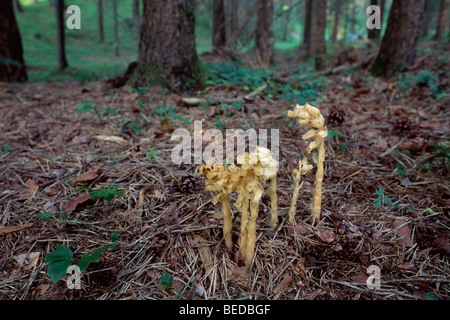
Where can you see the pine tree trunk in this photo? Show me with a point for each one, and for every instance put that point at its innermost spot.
(219, 27)
(287, 19)
(101, 32)
(264, 32)
(116, 29)
(337, 19)
(442, 20)
(318, 23)
(12, 66)
(426, 22)
(136, 16)
(233, 25)
(399, 42)
(307, 25)
(60, 36)
(167, 52)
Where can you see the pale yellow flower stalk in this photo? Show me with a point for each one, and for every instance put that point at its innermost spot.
(310, 116)
(251, 226)
(303, 168)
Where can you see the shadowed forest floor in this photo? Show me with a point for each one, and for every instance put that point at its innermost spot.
(383, 134)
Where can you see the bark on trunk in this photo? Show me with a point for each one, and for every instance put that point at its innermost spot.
(101, 33)
(136, 16)
(442, 22)
(307, 26)
(399, 43)
(233, 25)
(116, 29)
(60, 36)
(12, 66)
(337, 19)
(219, 28)
(264, 32)
(167, 53)
(317, 30)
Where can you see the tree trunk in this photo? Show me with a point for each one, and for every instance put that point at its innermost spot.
(136, 16)
(399, 43)
(60, 36)
(12, 66)
(264, 32)
(101, 32)
(116, 29)
(316, 44)
(442, 20)
(167, 52)
(219, 27)
(426, 21)
(337, 19)
(17, 6)
(287, 19)
(233, 25)
(307, 26)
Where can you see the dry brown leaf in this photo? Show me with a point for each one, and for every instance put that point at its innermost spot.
(42, 288)
(283, 285)
(115, 139)
(72, 204)
(32, 187)
(404, 232)
(16, 228)
(87, 176)
(28, 260)
(325, 235)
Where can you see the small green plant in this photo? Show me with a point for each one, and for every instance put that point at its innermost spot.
(220, 124)
(167, 113)
(140, 90)
(88, 106)
(62, 258)
(424, 79)
(108, 194)
(152, 154)
(6, 148)
(400, 169)
(131, 127)
(332, 134)
(381, 198)
(166, 281)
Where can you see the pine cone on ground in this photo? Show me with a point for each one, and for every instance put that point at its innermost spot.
(336, 115)
(187, 184)
(402, 124)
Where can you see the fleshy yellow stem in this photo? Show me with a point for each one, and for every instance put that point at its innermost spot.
(317, 198)
(244, 230)
(251, 227)
(294, 196)
(227, 232)
(272, 192)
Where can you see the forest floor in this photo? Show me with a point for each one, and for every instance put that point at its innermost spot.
(170, 244)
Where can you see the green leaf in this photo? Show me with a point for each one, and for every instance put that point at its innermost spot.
(108, 194)
(62, 253)
(332, 134)
(379, 191)
(432, 296)
(45, 216)
(90, 257)
(388, 200)
(166, 281)
(58, 262)
(377, 202)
